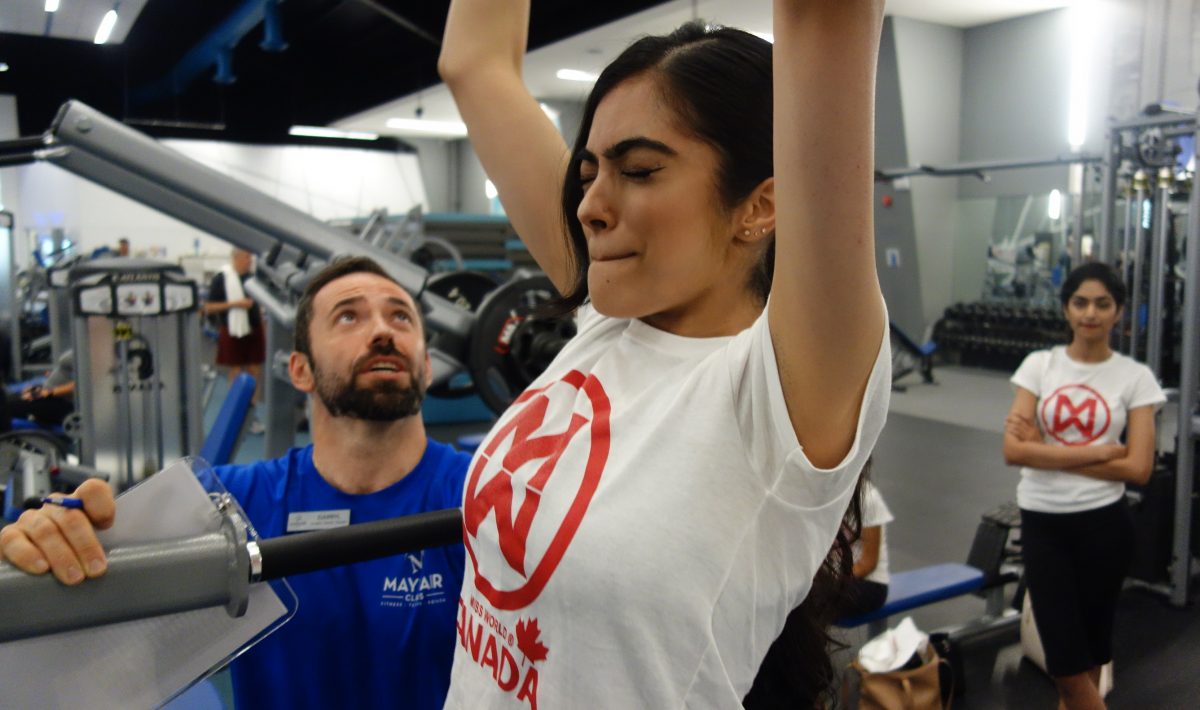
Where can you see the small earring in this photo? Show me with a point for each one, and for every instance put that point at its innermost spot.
(746, 232)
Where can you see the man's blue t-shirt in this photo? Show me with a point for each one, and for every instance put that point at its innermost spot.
(373, 634)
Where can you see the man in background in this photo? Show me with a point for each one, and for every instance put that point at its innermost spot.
(241, 344)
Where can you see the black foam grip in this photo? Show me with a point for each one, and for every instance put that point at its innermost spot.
(311, 551)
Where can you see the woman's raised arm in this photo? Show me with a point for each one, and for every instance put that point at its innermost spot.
(826, 310)
(520, 149)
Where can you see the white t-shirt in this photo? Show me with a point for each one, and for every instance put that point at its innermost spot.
(1080, 404)
(641, 521)
(875, 513)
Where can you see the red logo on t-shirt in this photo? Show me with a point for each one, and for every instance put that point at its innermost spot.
(1075, 415)
(495, 497)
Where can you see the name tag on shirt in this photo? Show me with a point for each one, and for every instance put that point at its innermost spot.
(318, 520)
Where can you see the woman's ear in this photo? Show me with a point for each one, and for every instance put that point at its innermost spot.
(756, 215)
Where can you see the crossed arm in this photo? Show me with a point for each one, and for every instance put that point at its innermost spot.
(1131, 462)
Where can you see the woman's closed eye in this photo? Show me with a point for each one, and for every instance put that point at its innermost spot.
(639, 173)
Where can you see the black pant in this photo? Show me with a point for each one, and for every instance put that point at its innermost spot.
(46, 411)
(1074, 566)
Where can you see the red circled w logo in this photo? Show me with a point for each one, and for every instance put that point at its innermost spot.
(495, 497)
(1075, 415)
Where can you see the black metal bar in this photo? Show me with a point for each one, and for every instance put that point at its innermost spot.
(296, 554)
(13, 159)
(22, 145)
(402, 21)
(983, 166)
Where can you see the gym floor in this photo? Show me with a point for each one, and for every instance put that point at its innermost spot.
(939, 466)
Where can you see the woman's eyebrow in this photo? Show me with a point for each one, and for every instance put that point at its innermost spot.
(622, 147)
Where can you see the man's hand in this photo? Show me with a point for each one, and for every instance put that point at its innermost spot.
(62, 540)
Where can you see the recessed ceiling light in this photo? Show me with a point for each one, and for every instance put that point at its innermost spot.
(322, 132)
(3, 67)
(576, 75)
(106, 27)
(450, 129)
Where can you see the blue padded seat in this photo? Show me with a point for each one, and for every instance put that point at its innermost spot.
(219, 444)
(19, 424)
(918, 587)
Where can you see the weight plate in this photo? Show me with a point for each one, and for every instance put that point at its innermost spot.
(467, 289)
(509, 348)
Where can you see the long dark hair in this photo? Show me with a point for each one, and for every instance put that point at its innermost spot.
(718, 82)
(798, 671)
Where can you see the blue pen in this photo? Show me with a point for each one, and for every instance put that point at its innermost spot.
(75, 503)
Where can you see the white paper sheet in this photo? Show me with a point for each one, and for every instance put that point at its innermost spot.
(142, 663)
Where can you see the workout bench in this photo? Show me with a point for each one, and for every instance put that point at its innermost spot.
(982, 576)
(916, 588)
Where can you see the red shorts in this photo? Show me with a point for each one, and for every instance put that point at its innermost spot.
(238, 352)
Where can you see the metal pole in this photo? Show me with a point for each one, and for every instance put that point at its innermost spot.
(1189, 380)
(1158, 272)
(278, 395)
(1112, 161)
(1077, 228)
(1126, 273)
(124, 398)
(1140, 183)
(14, 306)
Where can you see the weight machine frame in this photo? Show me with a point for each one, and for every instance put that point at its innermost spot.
(291, 244)
(1158, 187)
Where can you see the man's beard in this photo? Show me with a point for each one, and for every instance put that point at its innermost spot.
(385, 401)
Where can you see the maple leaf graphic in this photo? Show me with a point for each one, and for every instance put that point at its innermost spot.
(527, 640)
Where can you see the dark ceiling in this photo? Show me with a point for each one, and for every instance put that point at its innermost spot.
(342, 57)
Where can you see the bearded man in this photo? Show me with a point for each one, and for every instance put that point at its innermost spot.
(373, 634)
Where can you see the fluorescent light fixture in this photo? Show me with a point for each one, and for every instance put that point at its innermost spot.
(576, 75)
(3, 67)
(1054, 209)
(1084, 23)
(765, 35)
(51, 5)
(489, 189)
(322, 132)
(446, 129)
(106, 27)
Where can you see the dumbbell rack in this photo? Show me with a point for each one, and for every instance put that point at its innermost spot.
(996, 335)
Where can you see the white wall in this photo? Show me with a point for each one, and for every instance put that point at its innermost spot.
(469, 196)
(324, 182)
(469, 176)
(8, 131)
(1014, 92)
(929, 60)
(438, 172)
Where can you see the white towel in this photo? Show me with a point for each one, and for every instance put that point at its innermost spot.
(892, 648)
(239, 318)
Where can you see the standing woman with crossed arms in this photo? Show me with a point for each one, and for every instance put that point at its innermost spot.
(1072, 404)
(642, 519)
